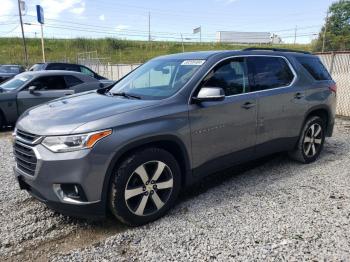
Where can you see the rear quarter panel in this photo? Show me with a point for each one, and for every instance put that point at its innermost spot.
(86, 87)
(321, 97)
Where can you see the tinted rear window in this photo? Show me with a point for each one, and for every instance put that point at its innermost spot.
(72, 81)
(315, 67)
(269, 72)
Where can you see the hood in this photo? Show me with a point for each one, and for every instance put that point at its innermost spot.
(63, 115)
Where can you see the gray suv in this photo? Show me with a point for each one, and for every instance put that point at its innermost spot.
(131, 147)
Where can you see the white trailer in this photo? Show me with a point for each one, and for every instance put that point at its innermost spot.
(243, 37)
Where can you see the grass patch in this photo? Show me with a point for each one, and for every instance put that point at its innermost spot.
(112, 50)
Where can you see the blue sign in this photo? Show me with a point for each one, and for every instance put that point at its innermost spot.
(40, 14)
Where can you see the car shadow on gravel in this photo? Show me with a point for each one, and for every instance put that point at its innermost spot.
(6, 130)
(213, 180)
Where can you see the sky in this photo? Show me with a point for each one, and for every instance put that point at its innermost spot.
(169, 20)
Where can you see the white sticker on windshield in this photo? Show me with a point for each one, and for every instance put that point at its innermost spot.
(193, 62)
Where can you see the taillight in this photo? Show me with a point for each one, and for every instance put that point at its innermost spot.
(333, 88)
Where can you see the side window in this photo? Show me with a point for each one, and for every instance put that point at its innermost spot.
(269, 72)
(74, 68)
(72, 81)
(231, 75)
(54, 67)
(49, 83)
(86, 71)
(315, 68)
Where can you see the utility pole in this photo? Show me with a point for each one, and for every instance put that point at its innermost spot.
(324, 33)
(149, 26)
(42, 42)
(23, 38)
(200, 34)
(295, 34)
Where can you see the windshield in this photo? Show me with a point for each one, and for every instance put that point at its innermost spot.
(9, 69)
(158, 79)
(16, 82)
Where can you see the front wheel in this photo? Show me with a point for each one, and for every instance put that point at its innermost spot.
(144, 186)
(311, 140)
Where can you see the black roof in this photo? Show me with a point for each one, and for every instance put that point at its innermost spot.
(276, 50)
(248, 51)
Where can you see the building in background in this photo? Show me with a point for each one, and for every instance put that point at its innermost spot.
(275, 39)
(235, 37)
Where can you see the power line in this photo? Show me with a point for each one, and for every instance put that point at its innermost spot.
(58, 22)
(10, 31)
(165, 33)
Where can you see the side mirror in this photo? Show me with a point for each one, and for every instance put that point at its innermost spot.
(207, 94)
(31, 89)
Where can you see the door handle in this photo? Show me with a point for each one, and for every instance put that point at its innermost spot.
(248, 105)
(299, 95)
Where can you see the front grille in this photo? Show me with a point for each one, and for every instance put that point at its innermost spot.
(25, 158)
(25, 136)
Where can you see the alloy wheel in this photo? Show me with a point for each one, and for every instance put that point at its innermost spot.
(148, 188)
(313, 140)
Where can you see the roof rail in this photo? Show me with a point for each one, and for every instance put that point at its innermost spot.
(275, 50)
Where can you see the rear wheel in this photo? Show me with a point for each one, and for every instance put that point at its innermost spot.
(145, 186)
(311, 141)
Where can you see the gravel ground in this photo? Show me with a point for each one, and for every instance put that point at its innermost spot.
(270, 209)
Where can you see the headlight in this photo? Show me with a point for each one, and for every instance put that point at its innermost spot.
(60, 144)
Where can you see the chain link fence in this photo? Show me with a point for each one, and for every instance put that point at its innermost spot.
(338, 64)
(113, 71)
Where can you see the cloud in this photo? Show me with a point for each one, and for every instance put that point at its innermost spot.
(226, 2)
(54, 8)
(78, 10)
(102, 17)
(7, 8)
(121, 27)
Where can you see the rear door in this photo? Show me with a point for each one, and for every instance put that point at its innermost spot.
(281, 103)
(46, 88)
(224, 130)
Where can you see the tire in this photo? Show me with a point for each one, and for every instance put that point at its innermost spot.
(135, 199)
(311, 140)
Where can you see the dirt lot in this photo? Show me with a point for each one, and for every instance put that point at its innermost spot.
(268, 209)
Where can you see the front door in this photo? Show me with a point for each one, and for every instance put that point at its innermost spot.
(224, 132)
(46, 88)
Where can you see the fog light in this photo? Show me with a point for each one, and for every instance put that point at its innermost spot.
(70, 192)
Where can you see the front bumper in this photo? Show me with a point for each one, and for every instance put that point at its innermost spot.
(90, 210)
(85, 168)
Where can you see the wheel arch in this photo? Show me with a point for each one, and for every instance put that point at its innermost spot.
(167, 142)
(322, 111)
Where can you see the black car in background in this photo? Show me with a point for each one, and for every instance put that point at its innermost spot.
(67, 67)
(9, 71)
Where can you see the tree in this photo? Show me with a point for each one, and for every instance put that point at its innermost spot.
(337, 27)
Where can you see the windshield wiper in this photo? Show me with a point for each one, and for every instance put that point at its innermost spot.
(125, 95)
